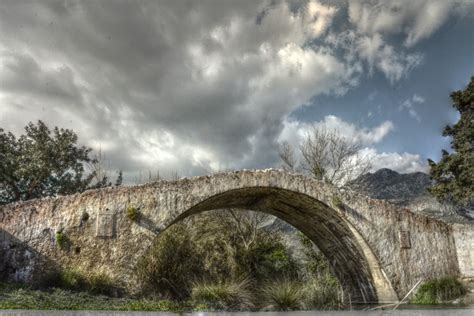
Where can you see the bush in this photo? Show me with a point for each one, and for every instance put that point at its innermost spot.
(170, 265)
(72, 280)
(266, 260)
(218, 257)
(227, 295)
(75, 280)
(100, 283)
(315, 264)
(283, 295)
(437, 291)
(322, 293)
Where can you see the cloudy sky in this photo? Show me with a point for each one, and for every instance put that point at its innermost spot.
(201, 86)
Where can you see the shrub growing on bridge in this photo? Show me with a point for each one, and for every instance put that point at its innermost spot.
(337, 202)
(437, 291)
(132, 213)
(62, 241)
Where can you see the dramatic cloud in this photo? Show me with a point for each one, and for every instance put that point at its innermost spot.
(196, 86)
(206, 90)
(403, 163)
(394, 65)
(372, 50)
(294, 132)
(417, 20)
(376, 22)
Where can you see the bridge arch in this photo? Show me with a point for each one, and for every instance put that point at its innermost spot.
(378, 249)
(351, 259)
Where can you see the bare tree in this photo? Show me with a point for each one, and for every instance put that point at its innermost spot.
(287, 155)
(139, 178)
(152, 177)
(248, 224)
(174, 175)
(244, 225)
(329, 156)
(100, 167)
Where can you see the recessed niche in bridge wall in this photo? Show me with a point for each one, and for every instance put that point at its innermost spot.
(404, 239)
(105, 225)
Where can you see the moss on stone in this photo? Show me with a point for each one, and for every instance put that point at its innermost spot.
(62, 241)
(132, 213)
(337, 202)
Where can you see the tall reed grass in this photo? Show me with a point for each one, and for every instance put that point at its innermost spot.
(283, 295)
(233, 295)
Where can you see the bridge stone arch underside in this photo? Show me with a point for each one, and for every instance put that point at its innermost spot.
(377, 250)
(347, 252)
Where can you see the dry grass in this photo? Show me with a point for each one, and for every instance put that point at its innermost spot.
(227, 295)
(283, 295)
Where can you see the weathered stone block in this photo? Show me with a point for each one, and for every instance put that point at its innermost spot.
(105, 225)
(404, 237)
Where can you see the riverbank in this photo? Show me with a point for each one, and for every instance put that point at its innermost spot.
(24, 301)
(430, 312)
(58, 299)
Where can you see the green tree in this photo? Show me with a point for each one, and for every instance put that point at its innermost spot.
(268, 258)
(44, 162)
(454, 173)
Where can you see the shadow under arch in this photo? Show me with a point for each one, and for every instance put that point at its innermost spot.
(353, 262)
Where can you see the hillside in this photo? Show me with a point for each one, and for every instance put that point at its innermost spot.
(408, 190)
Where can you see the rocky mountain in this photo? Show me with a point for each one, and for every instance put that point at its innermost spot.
(408, 190)
(398, 188)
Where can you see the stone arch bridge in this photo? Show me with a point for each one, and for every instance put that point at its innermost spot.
(377, 250)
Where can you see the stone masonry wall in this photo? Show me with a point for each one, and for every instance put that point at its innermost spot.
(464, 239)
(406, 246)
